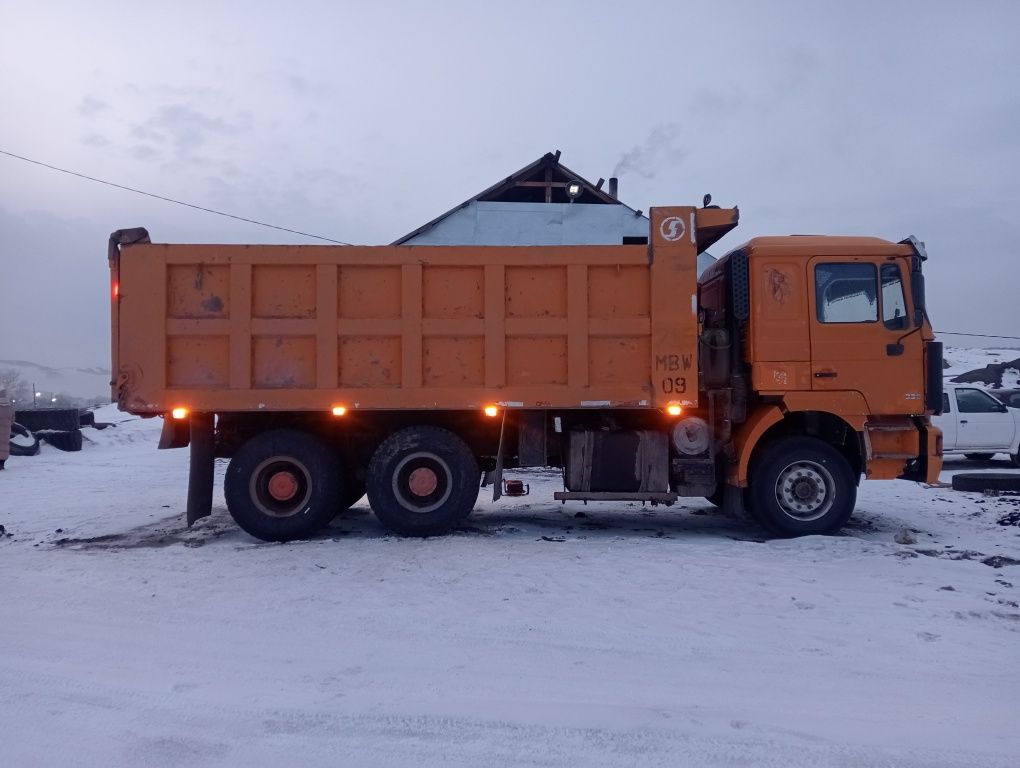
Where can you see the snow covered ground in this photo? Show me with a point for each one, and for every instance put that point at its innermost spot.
(543, 635)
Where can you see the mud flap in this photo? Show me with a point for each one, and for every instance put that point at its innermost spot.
(176, 433)
(497, 477)
(928, 465)
(200, 477)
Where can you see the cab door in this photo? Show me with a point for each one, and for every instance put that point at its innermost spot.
(861, 334)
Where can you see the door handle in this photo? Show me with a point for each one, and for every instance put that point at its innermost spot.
(963, 421)
(825, 374)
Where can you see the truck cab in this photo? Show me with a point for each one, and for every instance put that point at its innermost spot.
(825, 338)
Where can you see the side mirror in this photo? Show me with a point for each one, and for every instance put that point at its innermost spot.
(917, 293)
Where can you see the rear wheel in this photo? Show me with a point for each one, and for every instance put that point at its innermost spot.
(353, 490)
(718, 496)
(352, 493)
(282, 485)
(802, 486)
(423, 481)
(979, 456)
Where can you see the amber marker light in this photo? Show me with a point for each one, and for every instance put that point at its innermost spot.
(339, 410)
(179, 413)
(674, 410)
(491, 410)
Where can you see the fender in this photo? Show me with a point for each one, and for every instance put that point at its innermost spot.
(747, 438)
(849, 406)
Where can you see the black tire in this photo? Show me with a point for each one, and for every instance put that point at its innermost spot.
(64, 440)
(743, 504)
(353, 493)
(87, 419)
(354, 489)
(802, 486)
(719, 496)
(308, 480)
(986, 481)
(23, 450)
(979, 456)
(442, 467)
(62, 419)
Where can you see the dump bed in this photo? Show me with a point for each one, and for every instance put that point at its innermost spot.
(305, 328)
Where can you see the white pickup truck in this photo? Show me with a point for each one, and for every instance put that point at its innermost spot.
(977, 425)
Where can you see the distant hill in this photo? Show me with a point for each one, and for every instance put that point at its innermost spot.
(995, 375)
(80, 384)
(993, 368)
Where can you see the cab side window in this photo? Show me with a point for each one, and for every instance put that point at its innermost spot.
(976, 401)
(846, 293)
(894, 304)
(945, 403)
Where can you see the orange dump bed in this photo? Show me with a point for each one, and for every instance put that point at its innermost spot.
(303, 328)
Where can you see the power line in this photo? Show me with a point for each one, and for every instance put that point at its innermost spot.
(169, 199)
(299, 232)
(983, 336)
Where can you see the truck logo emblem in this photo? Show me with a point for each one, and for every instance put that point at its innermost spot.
(672, 228)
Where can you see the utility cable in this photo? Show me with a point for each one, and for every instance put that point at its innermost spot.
(982, 335)
(299, 232)
(169, 199)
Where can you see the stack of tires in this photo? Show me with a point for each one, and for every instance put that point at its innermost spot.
(60, 427)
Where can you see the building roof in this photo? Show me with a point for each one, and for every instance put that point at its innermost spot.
(544, 180)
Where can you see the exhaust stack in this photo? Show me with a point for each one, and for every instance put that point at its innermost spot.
(614, 185)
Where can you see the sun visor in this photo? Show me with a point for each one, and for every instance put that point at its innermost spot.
(713, 224)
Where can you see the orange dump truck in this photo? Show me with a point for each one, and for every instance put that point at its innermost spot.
(792, 368)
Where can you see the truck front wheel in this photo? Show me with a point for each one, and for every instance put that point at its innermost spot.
(422, 481)
(802, 486)
(282, 485)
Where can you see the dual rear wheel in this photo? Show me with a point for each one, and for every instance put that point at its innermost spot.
(286, 484)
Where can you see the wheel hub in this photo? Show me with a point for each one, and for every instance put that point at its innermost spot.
(423, 481)
(283, 486)
(804, 490)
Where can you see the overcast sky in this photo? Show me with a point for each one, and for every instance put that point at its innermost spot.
(361, 121)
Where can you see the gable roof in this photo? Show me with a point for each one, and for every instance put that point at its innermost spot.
(544, 180)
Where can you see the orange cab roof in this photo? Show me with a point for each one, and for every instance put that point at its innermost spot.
(823, 245)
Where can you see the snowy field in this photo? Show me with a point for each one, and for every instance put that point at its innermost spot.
(542, 635)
